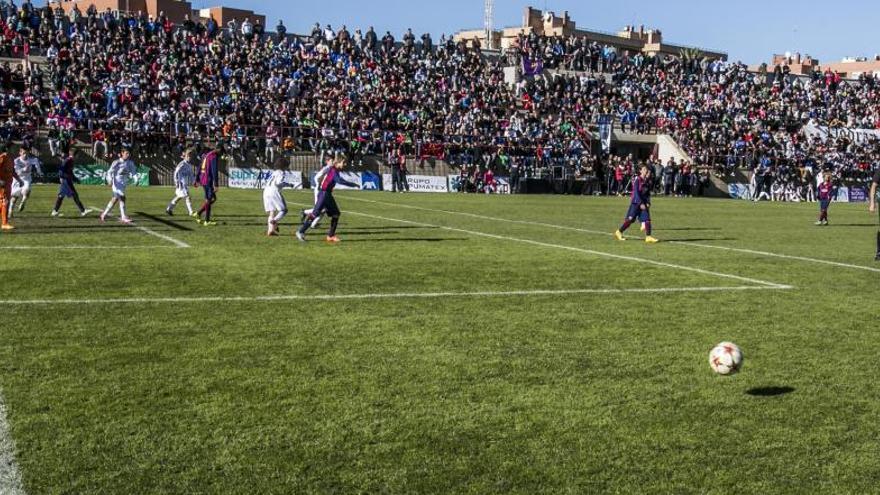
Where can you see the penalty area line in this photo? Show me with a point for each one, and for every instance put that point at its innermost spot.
(780, 256)
(177, 243)
(10, 476)
(643, 261)
(608, 234)
(393, 295)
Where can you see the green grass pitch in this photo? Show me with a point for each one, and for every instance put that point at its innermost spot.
(455, 352)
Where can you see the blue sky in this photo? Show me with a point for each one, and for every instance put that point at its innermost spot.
(749, 30)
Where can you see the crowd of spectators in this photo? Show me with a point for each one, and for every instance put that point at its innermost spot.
(726, 117)
(130, 80)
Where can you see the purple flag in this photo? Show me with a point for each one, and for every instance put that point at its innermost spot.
(532, 67)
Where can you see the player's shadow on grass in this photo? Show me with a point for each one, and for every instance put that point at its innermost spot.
(408, 239)
(675, 229)
(391, 227)
(852, 225)
(703, 239)
(84, 229)
(769, 391)
(163, 221)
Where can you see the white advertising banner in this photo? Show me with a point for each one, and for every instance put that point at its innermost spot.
(861, 136)
(255, 178)
(420, 183)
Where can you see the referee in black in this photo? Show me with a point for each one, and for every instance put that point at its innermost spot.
(875, 185)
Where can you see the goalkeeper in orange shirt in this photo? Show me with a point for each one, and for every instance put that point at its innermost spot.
(7, 174)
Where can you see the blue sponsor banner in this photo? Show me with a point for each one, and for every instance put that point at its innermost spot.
(370, 181)
(606, 127)
(842, 194)
(739, 191)
(858, 195)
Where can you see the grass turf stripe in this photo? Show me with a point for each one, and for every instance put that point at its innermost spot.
(398, 295)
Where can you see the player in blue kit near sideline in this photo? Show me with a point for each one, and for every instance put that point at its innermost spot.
(639, 207)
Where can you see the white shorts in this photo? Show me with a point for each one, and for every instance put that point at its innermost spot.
(273, 201)
(119, 188)
(22, 190)
(181, 192)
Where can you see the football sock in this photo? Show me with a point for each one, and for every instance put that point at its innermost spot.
(625, 225)
(75, 200)
(189, 206)
(334, 222)
(122, 209)
(648, 227)
(11, 204)
(278, 216)
(109, 207)
(58, 201)
(878, 242)
(4, 212)
(306, 224)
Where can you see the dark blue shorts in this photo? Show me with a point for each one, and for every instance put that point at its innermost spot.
(635, 211)
(327, 204)
(210, 194)
(824, 204)
(67, 189)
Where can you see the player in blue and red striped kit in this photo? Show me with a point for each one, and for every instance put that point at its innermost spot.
(326, 179)
(208, 177)
(826, 193)
(872, 205)
(639, 207)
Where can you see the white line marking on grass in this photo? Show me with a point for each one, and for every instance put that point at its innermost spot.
(10, 477)
(63, 248)
(585, 251)
(164, 237)
(483, 217)
(399, 295)
(776, 255)
(608, 234)
(177, 243)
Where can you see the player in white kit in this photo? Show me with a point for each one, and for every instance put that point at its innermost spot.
(183, 177)
(119, 174)
(273, 200)
(26, 165)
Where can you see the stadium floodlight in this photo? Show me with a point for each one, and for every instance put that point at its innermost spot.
(489, 22)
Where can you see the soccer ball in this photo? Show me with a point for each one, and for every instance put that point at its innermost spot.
(726, 359)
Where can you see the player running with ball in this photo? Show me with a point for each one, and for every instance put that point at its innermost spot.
(640, 207)
(327, 179)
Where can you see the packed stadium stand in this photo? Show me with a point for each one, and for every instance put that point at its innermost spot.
(105, 80)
